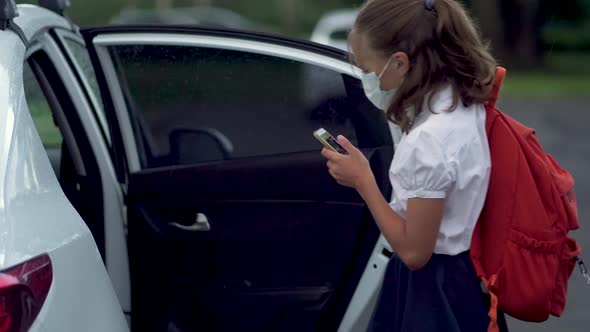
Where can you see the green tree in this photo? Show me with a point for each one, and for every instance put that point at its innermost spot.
(513, 27)
(290, 12)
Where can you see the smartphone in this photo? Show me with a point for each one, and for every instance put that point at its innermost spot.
(329, 141)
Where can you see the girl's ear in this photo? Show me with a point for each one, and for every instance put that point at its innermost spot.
(401, 62)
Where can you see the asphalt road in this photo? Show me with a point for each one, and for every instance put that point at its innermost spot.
(563, 127)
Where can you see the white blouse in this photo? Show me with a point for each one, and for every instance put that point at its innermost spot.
(445, 155)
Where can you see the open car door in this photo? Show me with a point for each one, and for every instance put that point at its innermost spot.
(234, 223)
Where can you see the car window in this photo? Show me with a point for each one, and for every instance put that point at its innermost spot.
(340, 35)
(197, 104)
(83, 63)
(40, 110)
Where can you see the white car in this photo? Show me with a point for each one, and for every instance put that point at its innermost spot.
(332, 29)
(51, 274)
(184, 161)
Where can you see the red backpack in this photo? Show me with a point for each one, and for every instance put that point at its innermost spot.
(520, 247)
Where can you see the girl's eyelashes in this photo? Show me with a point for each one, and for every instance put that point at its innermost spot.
(356, 63)
(361, 67)
(362, 70)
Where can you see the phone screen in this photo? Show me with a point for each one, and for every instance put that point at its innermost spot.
(332, 142)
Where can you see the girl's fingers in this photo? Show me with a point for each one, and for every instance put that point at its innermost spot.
(332, 173)
(332, 155)
(331, 164)
(328, 154)
(346, 144)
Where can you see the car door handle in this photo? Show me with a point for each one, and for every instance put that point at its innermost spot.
(201, 224)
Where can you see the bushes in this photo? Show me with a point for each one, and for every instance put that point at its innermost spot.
(564, 36)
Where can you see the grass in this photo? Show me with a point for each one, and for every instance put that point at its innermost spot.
(41, 114)
(563, 75)
(539, 84)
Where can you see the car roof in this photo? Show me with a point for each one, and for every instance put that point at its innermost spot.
(34, 19)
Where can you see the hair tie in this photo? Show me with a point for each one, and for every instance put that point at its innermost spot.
(429, 4)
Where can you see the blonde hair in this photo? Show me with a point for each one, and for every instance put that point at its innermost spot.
(443, 44)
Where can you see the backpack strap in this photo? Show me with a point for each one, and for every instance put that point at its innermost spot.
(490, 118)
(498, 80)
(493, 313)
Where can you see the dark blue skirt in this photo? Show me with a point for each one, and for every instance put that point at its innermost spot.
(445, 295)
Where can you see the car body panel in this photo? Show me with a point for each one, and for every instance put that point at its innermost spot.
(35, 215)
(33, 20)
(115, 245)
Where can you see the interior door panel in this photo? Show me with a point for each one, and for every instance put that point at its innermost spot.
(282, 236)
(243, 229)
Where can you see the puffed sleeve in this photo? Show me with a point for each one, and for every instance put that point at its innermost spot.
(423, 169)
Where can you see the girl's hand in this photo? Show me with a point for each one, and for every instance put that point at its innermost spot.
(352, 170)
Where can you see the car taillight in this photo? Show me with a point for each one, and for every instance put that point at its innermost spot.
(23, 289)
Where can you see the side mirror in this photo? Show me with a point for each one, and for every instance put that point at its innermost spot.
(57, 6)
(8, 11)
(191, 146)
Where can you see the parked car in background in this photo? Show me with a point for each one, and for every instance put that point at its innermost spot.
(333, 28)
(183, 159)
(200, 15)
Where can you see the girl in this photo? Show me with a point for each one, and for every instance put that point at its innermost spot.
(425, 65)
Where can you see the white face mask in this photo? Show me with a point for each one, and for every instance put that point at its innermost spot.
(372, 86)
